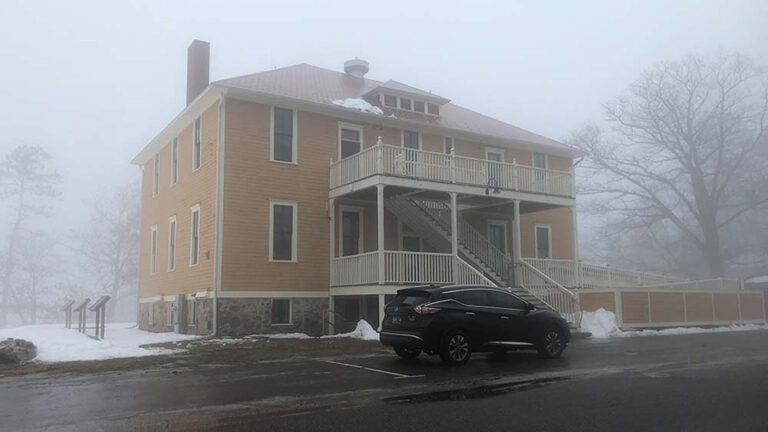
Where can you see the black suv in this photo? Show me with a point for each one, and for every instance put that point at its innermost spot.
(456, 320)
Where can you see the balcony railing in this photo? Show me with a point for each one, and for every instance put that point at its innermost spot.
(401, 267)
(448, 168)
(572, 274)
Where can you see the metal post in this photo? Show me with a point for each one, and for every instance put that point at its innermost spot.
(454, 238)
(380, 230)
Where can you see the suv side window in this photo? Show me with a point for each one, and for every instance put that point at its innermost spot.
(471, 297)
(502, 300)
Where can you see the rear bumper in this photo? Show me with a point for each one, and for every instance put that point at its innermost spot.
(400, 338)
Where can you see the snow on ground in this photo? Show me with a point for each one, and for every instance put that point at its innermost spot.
(602, 324)
(58, 344)
(358, 104)
(363, 331)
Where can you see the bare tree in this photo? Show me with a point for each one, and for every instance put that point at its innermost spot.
(25, 179)
(37, 263)
(683, 153)
(111, 244)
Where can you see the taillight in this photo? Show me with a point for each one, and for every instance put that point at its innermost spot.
(424, 309)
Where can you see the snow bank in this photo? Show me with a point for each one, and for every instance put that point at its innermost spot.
(363, 331)
(602, 324)
(281, 336)
(358, 104)
(58, 344)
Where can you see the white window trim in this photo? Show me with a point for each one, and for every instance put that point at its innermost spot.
(453, 145)
(172, 254)
(153, 249)
(498, 222)
(290, 313)
(174, 170)
(400, 237)
(533, 159)
(494, 150)
(360, 240)
(536, 240)
(156, 175)
(200, 159)
(295, 236)
(192, 210)
(402, 138)
(358, 128)
(294, 140)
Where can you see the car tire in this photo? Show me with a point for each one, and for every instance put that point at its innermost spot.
(456, 348)
(551, 342)
(407, 353)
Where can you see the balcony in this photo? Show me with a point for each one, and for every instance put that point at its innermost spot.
(449, 169)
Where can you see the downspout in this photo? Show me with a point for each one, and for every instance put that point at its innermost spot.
(219, 211)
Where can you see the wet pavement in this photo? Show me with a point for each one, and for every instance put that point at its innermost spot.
(715, 381)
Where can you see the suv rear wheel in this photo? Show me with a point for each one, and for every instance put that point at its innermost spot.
(551, 342)
(407, 353)
(456, 348)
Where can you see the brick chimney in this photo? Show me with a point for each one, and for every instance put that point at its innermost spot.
(198, 65)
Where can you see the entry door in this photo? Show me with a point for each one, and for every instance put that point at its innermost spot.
(497, 234)
(495, 169)
(412, 145)
(350, 233)
(411, 243)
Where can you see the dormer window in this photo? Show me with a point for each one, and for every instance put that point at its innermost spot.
(433, 109)
(405, 103)
(418, 106)
(390, 101)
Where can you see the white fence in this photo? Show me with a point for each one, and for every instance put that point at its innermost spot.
(700, 285)
(355, 269)
(447, 168)
(569, 273)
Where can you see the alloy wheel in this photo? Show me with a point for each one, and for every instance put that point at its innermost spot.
(553, 342)
(458, 347)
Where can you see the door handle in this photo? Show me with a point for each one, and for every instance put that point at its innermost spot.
(470, 313)
(504, 317)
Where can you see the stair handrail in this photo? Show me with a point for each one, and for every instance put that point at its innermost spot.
(548, 279)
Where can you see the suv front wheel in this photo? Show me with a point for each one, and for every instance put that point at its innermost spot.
(456, 348)
(551, 342)
(407, 353)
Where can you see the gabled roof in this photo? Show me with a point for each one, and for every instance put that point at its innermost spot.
(307, 83)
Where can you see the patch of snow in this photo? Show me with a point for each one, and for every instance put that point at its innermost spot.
(358, 104)
(58, 344)
(602, 324)
(281, 336)
(363, 331)
(758, 279)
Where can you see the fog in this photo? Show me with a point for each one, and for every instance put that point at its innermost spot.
(92, 82)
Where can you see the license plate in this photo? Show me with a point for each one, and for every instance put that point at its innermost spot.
(397, 320)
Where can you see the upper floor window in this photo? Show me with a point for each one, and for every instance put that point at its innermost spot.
(433, 109)
(153, 250)
(282, 230)
(543, 242)
(540, 160)
(196, 144)
(172, 243)
(350, 140)
(409, 104)
(419, 106)
(390, 101)
(174, 161)
(405, 103)
(448, 145)
(283, 135)
(194, 243)
(156, 175)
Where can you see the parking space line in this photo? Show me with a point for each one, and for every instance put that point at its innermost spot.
(394, 374)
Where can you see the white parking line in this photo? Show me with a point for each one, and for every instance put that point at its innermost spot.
(394, 374)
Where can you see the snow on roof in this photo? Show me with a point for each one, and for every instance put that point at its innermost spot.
(359, 105)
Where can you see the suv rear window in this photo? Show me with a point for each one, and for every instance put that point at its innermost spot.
(411, 299)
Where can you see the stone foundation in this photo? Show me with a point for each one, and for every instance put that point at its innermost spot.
(157, 316)
(244, 316)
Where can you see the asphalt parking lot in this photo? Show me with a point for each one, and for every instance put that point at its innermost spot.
(344, 386)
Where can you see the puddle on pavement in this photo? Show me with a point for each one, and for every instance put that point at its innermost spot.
(474, 392)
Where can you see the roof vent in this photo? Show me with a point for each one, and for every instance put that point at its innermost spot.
(356, 67)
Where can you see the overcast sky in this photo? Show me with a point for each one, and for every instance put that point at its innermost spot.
(94, 81)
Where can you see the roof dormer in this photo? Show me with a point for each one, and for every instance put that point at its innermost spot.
(398, 96)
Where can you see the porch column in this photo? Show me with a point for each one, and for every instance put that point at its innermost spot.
(517, 252)
(575, 246)
(331, 315)
(454, 238)
(381, 310)
(380, 229)
(331, 236)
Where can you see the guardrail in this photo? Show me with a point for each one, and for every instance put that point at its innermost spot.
(449, 168)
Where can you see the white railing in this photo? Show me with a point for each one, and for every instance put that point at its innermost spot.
(700, 285)
(402, 267)
(549, 292)
(470, 276)
(574, 274)
(448, 168)
(355, 269)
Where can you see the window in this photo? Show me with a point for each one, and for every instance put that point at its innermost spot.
(156, 175)
(174, 161)
(543, 242)
(172, 243)
(411, 140)
(153, 250)
(405, 103)
(351, 230)
(390, 101)
(433, 109)
(283, 135)
(196, 144)
(281, 311)
(502, 300)
(194, 242)
(448, 145)
(497, 234)
(282, 230)
(540, 160)
(350, 140)
(475, 297)
(418, 106)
